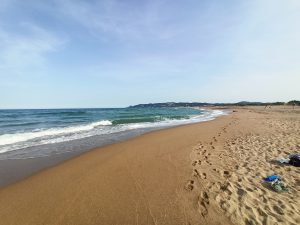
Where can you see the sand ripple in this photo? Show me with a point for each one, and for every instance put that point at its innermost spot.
(232, 170)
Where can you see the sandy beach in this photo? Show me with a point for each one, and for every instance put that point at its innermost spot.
(205, 173)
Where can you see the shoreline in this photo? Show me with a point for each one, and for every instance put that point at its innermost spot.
(87, 132)
(202, 173)
(13, 170)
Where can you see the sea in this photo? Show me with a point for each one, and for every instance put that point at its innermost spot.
(32, 133)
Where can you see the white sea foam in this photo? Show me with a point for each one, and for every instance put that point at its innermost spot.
(10, 142)
(206, 116)
(7, 139)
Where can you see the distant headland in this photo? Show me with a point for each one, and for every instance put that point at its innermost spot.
(202, 104)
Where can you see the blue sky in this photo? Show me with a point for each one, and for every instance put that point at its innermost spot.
(64, 53)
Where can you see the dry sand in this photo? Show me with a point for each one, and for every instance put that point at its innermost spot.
(206, 173)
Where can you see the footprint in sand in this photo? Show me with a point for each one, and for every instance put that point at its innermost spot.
(201, 175)
(190, 185)
(226, 173)
(196, 173)
(278, 210)
(216, 170)
(203, 203)
(197, 162)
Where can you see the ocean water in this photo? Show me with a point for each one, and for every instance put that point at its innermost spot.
(30, 133)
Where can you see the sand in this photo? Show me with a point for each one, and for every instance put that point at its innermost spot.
(205, 173)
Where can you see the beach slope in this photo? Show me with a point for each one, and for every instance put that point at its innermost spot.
(204, 173)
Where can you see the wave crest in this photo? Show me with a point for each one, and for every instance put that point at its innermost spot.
(7, 139)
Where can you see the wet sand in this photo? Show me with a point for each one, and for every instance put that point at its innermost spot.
(13, 170)
(205, 173)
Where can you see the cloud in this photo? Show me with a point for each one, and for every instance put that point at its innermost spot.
(199, 50)
(119, 20)
(28, 48)
(100, 17)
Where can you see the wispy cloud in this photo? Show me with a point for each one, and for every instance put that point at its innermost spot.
(113, 19)
(28, 49)
(209, 50)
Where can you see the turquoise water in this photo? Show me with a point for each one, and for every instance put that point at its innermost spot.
(24, 129)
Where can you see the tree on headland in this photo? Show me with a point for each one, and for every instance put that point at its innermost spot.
(294, 102)
(276, 103)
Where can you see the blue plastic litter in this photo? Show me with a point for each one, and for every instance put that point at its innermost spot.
(272, 178)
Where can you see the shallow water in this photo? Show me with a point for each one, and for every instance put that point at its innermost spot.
(34, 133)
